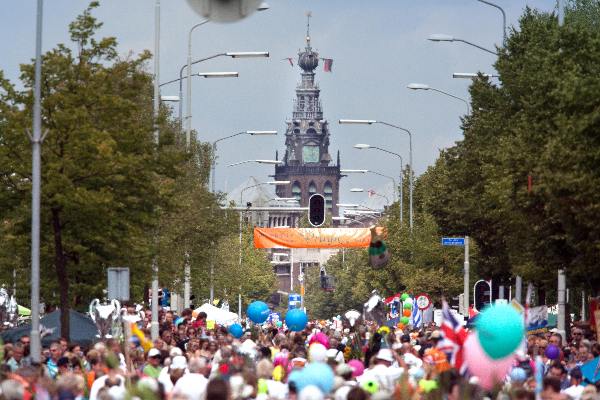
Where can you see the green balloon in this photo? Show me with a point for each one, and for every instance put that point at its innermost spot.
(405, 320)
(500, 330)
(407, 306)
(404, 296)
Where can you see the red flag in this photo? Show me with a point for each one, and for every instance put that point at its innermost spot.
(289, 59)
(327, 64)
(455, 336)
(529, 183)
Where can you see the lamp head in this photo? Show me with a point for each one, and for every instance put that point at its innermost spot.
(361, 146)
(357, 121)
(418, 86)
(441, 37)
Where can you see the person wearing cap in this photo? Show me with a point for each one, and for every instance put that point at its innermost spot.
(383, 372)
(345, 372)
(176, 370)
(152, 367)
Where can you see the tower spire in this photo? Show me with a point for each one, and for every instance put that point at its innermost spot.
(308, 16)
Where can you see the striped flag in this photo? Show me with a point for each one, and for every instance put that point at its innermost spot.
(416, 318)
(455, 336)
(327, 64)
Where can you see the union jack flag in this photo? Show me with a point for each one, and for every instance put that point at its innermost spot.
(455, 336)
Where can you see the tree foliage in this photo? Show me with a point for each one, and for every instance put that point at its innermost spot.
(111, 196)
(524, 180)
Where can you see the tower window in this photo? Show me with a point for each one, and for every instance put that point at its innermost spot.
(297, 190)
(328, 194)
(312, 188)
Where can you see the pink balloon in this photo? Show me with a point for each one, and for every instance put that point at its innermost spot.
(488, 370)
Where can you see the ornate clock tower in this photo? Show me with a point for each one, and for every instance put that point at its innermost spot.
(307, 163)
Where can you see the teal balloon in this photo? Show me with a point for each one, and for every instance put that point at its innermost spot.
(499, 330)
(319, 375)
(236, 331)
(404, 296)
(405, 320)
(407, 306)
(258, 312)
(296, 320)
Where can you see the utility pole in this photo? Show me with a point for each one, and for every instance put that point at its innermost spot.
(562, 284)
(36, 188)
(466, 279)
(156, 105)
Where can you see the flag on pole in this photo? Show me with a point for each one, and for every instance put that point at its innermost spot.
(371, 192)
(327, 64)
(455, 337)
(416, 319)
(290, 60)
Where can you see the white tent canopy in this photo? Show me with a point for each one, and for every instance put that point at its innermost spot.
(218, 315)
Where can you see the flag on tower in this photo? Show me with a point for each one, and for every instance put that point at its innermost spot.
(327, 64)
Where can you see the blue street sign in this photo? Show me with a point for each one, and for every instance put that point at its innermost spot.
(453, 241)
(294, 301)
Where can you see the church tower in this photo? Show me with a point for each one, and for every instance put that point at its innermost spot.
(307, 163)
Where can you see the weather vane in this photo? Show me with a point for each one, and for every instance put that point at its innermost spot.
(308, 15)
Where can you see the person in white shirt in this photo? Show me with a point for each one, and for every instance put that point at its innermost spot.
(193, 384)
(384, 372)
(576, 389)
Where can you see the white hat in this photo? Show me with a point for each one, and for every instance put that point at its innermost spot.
(311, 392)
(179, 362)
(153, 352)
(385, 355)
(317, 353)
(175, 351)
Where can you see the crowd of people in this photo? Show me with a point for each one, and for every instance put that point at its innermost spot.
(324, 361)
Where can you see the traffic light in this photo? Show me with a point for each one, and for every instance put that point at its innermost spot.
(316, 210)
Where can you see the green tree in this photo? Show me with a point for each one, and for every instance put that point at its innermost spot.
(103, 177)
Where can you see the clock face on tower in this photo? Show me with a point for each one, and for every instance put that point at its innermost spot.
(310, 154)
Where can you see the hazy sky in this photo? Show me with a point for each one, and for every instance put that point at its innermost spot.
(378, 47)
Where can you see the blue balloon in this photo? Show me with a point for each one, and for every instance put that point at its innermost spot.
(236, 331)
(500, 330)
(318, 374)
(296, 320)
(297, 378)
(258, 312)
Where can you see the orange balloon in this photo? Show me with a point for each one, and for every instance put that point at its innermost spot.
(400, 325)
(406, 313)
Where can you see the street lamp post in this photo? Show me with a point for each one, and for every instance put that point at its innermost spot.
(441, 37)
(232, 54)
(214, 149)
(410, 155)
(36, 188)
(400, 190)
(362, 146)
(422, 86)
(489, 3)
(277, 183)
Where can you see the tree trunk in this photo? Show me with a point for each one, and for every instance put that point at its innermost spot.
(60, 265)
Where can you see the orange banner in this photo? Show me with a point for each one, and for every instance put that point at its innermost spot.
(312, 238)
